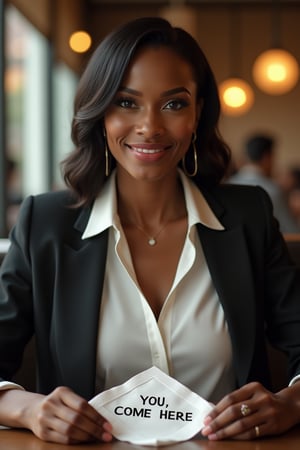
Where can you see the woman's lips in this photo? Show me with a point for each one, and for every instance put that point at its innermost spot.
(148, 148)
(148, 151)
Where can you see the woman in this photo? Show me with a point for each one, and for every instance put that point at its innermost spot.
(148, 256)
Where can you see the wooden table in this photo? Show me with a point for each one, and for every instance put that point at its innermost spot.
(25, 440)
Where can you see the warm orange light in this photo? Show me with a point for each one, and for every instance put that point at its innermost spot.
(276, 71)
(80, 41)
(236, 96)
(14, 79)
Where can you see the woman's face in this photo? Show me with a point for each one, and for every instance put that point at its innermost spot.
(150, 124)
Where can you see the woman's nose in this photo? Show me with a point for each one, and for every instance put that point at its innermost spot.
(150, 124)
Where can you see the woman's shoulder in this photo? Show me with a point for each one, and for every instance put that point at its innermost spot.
(49, 207)
(61, 199)
(237, 189)
(241, 202)
(240, 193)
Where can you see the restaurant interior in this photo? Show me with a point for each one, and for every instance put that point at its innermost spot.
(45, 45)
(41, 66)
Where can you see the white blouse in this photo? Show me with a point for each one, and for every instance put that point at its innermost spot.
(190, 339)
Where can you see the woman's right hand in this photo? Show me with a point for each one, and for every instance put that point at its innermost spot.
(62, 416)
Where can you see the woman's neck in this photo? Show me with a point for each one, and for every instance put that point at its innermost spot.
(149, 203)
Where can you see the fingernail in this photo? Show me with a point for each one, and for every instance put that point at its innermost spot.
(106, 437)
(207, 420)
(107, 426)
(206, 431)
(212, 437)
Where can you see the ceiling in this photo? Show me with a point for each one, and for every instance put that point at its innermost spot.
(197, 2)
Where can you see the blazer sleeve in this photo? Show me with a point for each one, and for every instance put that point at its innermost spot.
(16, 310)
(281, 285)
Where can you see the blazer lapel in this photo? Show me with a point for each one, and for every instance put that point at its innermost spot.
(76, 312)
(228, 261)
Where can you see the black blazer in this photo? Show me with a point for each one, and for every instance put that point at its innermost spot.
(51, 284)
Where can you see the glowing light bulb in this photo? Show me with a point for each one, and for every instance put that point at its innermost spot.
(276, 71)
(236, 96)
(80, 41)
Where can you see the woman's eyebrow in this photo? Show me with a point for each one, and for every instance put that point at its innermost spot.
(129, 91)
(177, 90)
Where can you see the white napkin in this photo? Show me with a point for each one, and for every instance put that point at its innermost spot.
(152, 408)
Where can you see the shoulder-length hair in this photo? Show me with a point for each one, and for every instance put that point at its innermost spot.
(84, 168)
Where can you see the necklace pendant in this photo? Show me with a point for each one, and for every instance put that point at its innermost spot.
(151, 241)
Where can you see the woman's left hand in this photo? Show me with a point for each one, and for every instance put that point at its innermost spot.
(252, 412)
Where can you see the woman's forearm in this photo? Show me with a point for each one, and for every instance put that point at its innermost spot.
(15, 406)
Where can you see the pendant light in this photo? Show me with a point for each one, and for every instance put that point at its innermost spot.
(236, 95)
(275, 71)
(80, 41)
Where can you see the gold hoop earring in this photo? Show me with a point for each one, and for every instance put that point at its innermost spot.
(107, 165)
(107, 169)
(191, 174)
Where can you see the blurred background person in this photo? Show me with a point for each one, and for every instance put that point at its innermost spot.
(258, 170)
(288, 178)
(293, 193)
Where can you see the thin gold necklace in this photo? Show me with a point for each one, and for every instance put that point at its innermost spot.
(152, 240)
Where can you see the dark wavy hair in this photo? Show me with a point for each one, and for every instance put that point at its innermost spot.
(84, 167)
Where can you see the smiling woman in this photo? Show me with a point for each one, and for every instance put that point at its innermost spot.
(106, 72)
(148, 259)
(150, 125)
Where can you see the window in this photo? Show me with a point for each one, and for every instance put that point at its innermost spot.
(39, 100)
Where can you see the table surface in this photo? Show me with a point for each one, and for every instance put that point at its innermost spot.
(25, 440)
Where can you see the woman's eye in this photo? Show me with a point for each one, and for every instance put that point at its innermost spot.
(125, 103)
(175, 105)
